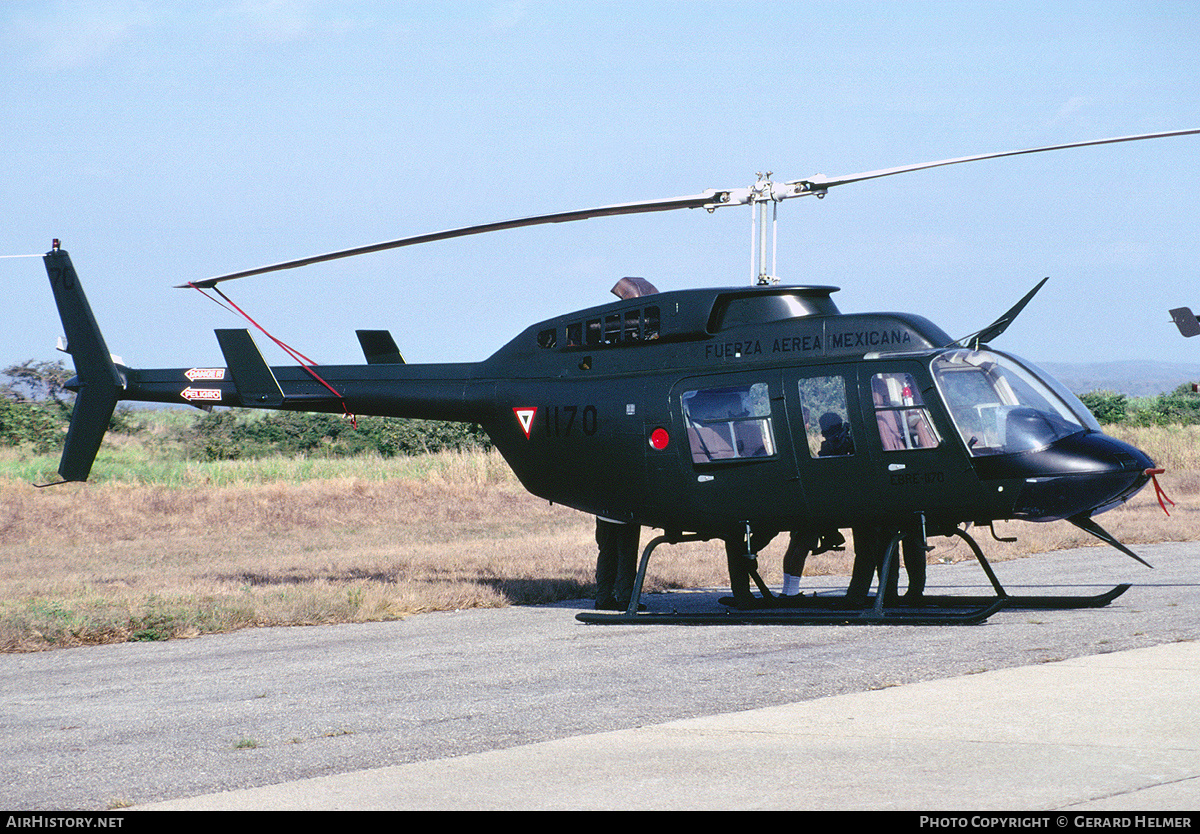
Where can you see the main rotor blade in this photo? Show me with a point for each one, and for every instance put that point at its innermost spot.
(708, 199)
(820, 182)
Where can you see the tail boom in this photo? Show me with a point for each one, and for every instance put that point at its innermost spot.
(452, 392)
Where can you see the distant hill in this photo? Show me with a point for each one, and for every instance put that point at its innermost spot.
(1135, 378)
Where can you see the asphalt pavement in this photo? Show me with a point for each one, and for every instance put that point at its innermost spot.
(1113, 732)
(527, 708)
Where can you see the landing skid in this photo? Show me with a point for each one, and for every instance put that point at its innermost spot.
(1054, 603)
(790, 613)
(837, 610)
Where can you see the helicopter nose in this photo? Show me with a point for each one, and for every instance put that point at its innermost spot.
(1086, 473)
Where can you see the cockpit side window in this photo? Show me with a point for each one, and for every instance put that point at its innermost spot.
(575, 334)
(826, 418)
(1000, 406)
(900, 415)
(631, 326)
(726, 424)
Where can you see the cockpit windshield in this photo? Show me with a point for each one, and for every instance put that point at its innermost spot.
(1001, 406)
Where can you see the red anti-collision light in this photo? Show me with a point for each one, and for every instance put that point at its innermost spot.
(659, 439)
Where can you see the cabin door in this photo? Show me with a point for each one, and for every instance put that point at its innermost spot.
(917, 464)
(736, 454)
(830, 443)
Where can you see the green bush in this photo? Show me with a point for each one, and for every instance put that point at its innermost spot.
(1180, 407)
(33, 423)
(229, 435)
(1108, 407)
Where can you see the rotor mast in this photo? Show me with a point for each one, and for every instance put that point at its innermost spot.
(762, 197)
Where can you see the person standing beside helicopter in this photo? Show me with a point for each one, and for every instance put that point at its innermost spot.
(616, 563)
(836, 441)
(870, 546)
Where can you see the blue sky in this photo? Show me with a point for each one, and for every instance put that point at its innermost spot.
(172, 142)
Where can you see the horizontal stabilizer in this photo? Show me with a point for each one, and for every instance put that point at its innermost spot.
(379, 347)
(255, 382)
(1186, 321)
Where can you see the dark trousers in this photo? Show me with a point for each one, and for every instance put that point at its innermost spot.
(870, 542)
(740, 563)
(616, 564)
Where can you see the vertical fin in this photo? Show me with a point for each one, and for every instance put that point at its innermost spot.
(1186, 321)
(98, 382)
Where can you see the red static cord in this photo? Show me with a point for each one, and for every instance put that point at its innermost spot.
(1158, 490)
(304, 362)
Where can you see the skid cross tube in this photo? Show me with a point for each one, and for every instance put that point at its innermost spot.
(636, 597)
(885, 572)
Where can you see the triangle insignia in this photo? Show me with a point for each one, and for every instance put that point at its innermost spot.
(525, 415)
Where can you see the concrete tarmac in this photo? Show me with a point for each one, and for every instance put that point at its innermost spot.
(525, 707)
(1107, 732)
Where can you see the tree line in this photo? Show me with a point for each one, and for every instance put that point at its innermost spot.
(35, 408)
(1178, 407)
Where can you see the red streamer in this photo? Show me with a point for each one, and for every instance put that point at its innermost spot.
(1158, 490)
(304, 362)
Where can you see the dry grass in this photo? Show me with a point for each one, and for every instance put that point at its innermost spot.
(234, 545)
(84, 563)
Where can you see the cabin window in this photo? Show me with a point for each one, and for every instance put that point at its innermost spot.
(575, 334)
(826, 418)
(729, 423)
(900, 415)
(548, 338)
(593, 332)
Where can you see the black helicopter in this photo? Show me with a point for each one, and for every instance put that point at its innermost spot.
(707, 413)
